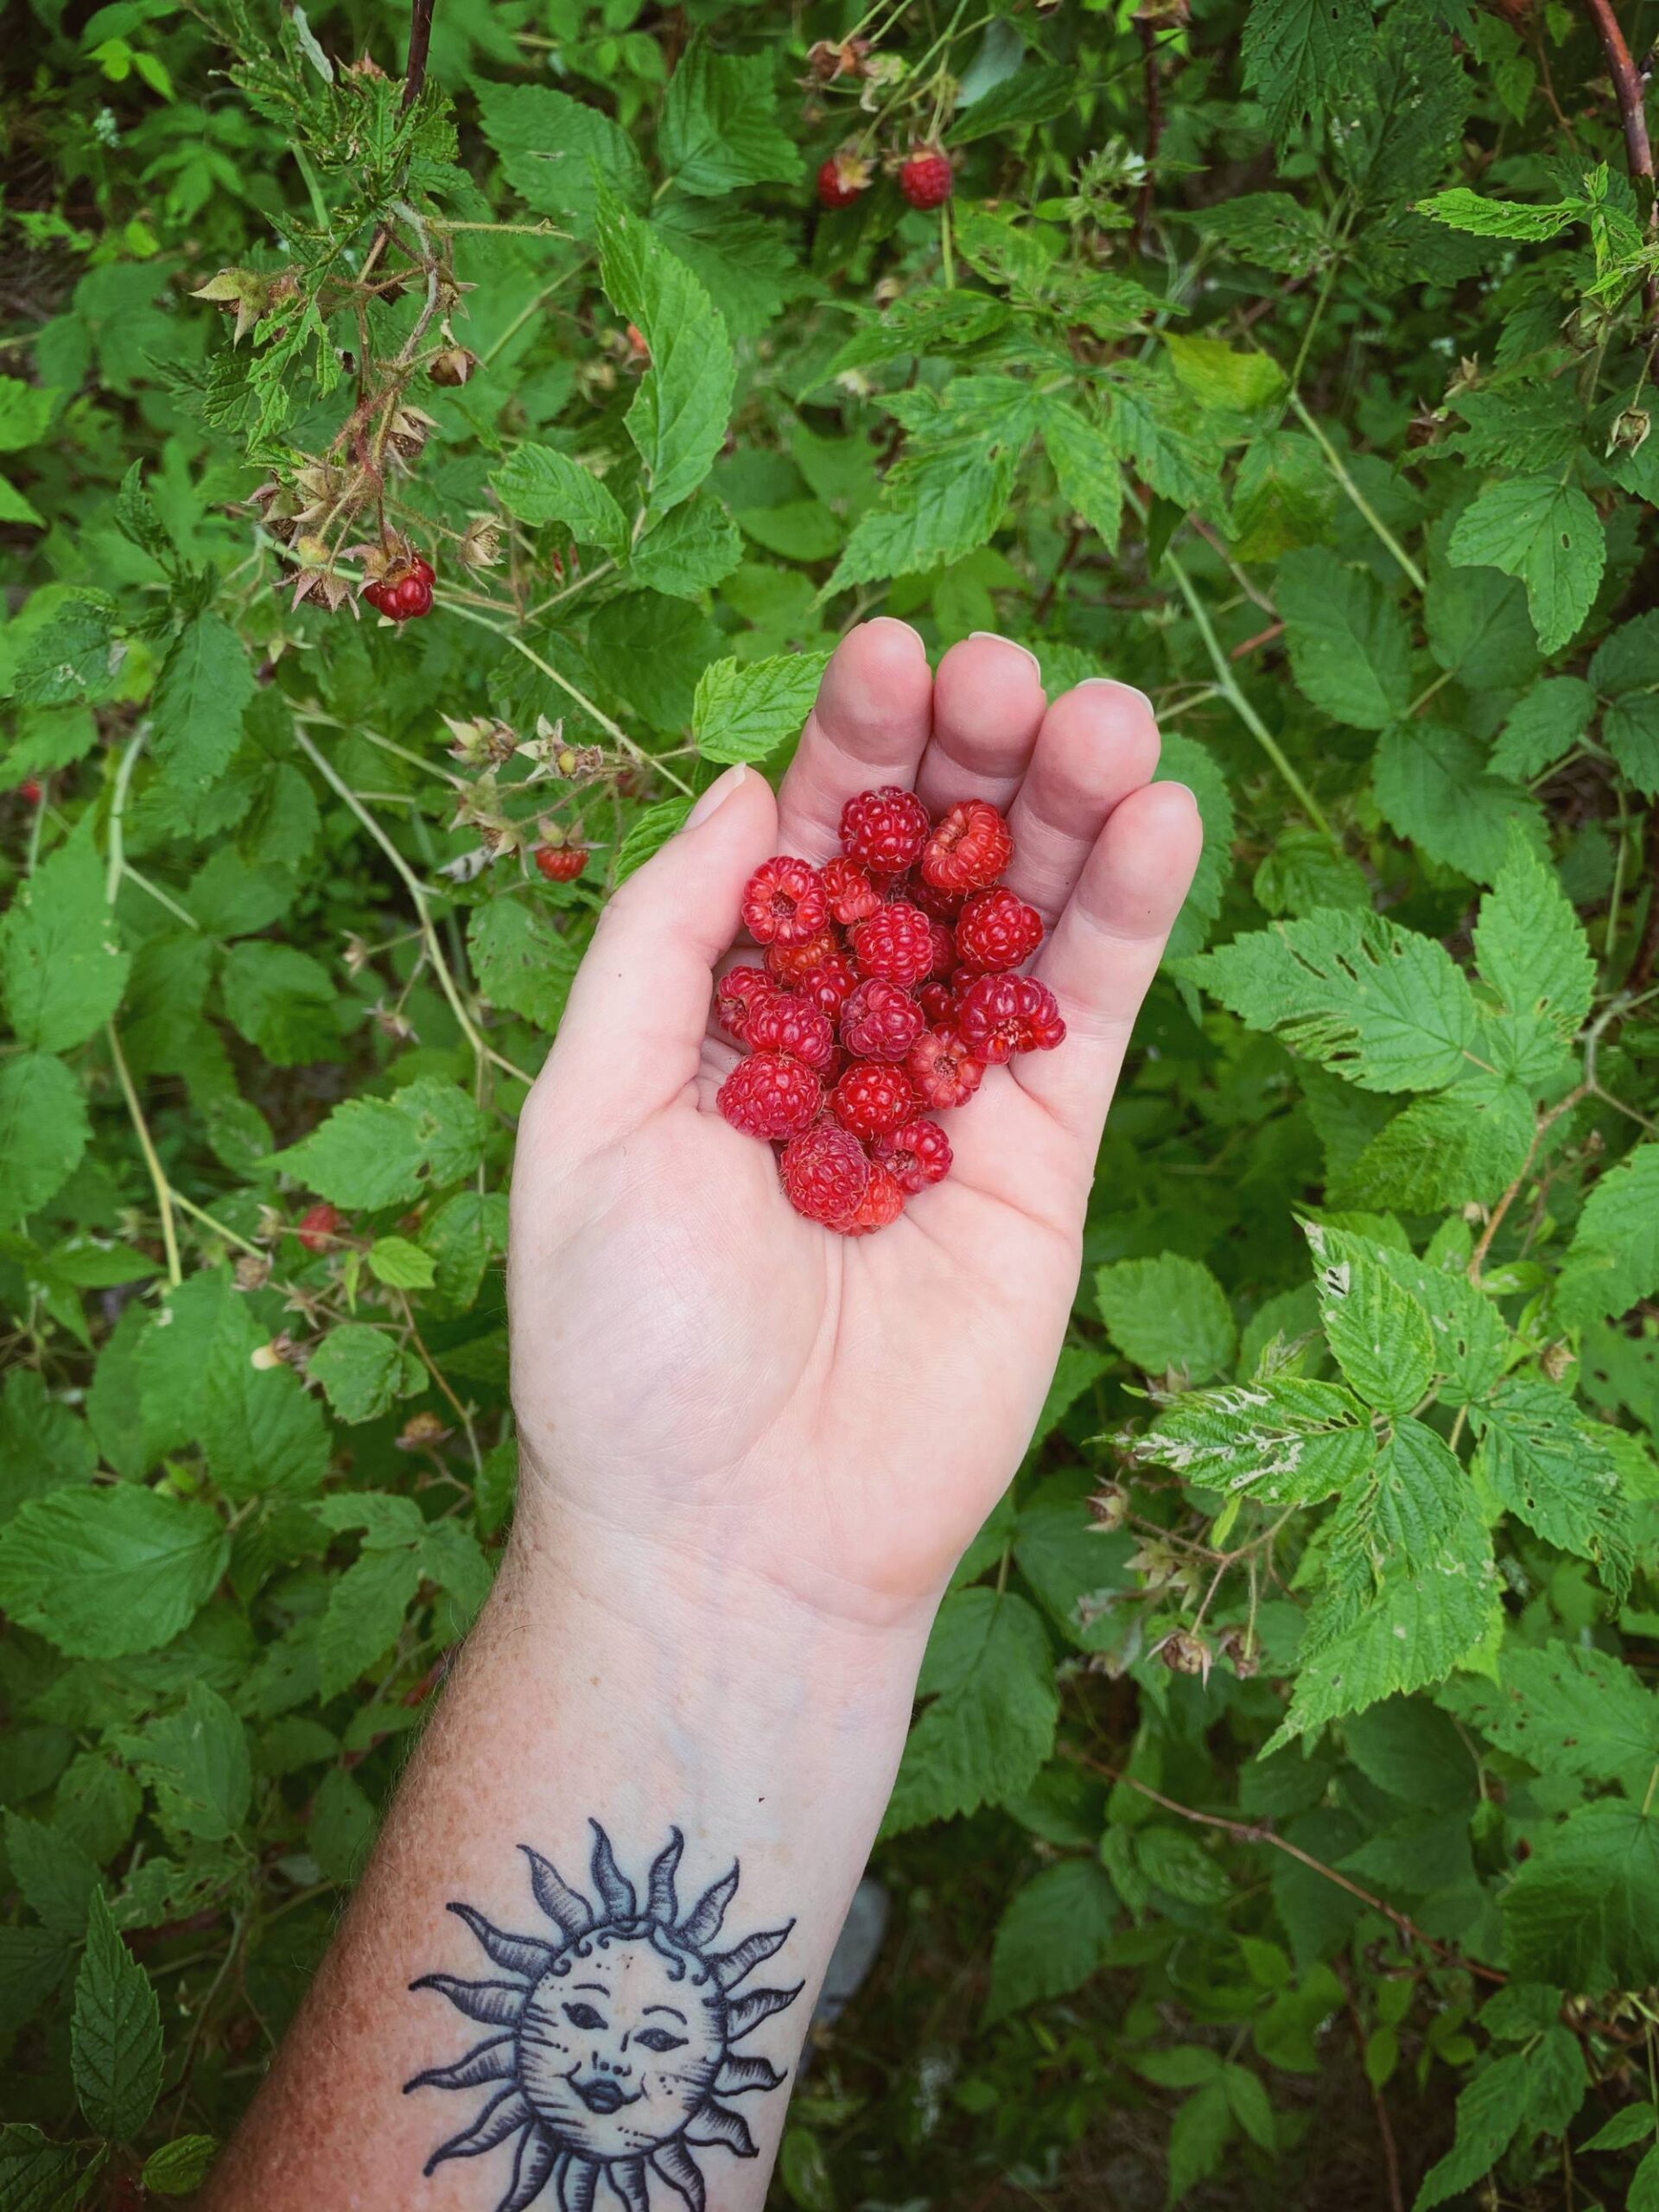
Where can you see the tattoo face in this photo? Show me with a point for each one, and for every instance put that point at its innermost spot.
(614, 2038)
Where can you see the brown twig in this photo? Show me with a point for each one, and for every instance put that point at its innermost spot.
(420, 39)
(1546, 1122)
(1146, 31)
(1384, 2124)
(1258, 1832)
(1261, 638)
(1630, 93)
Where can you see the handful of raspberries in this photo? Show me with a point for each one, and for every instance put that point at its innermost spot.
(888, 989)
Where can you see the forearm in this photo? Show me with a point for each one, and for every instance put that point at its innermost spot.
(652, 1696)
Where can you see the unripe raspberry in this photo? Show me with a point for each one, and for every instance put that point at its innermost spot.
(852, 896)
(787, 964)
(968, 850)
(829, 985)
(916, 1155)
(882, 1204)
(825, 1174)
(885, 829)
(736, 995)
(942, 1071)
(770, 1095)
(872, 1099)
(1001, 1015)
(784, 902)
(880, 1022)
(317, 1226)
(927, 179)
(561, 863)
(897, 944)
(782, 1023)
(997, 931)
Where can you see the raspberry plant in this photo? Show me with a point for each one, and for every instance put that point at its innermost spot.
(1281, 1815)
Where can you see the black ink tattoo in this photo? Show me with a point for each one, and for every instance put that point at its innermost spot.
(616, 2038)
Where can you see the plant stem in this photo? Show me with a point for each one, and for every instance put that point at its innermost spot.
(1339, 470)
(420, 40)
(118, 809)
(162, 1188)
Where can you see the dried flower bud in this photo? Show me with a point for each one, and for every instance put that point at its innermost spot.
(1184, 1653)
(1557, 1358)
(881, 70)
(1629, 430)
(407, 432)
(481, 543)
(252, 1271)
(454, 365)
(1109, 1507)
(423, 1432)
(1241, 1652)
(365, 68)
(829, 59)
(242, 291)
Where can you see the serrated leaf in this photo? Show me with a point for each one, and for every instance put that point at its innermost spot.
(104, 1572)
(384, 1152)
(1584, 1909)
(401, 1264)
(541, 484)
(1543, 726)
(1054, 1935)
(360, 1371)
(1167, 1314)
(116, 2034)
(1284, 1440)
(721, 129)
(1546, 1463)
(1613, 1260)
(1548, 534)
(559, 153)
(1459, 209)
(61, 966)
(363, 1616)
(1087, 470)
(1467, 1145)
(689, 551)
(1534, 952)
(1349, 650)
(1435, 789)
(1298, 53)
(1380, 1005)
(1378, 1330)
(263, 1433)
(206, 683)
(523, 963)
(178, 2168)
(1489, 2111)
(743, 712)
(988, 1723)
(196, 1760)
(1567, 1709)
(1220, 375)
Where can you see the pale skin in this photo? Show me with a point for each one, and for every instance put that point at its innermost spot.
(751, 1452)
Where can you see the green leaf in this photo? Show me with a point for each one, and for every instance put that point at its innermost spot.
(1543, 726)
(1634, 2125)
(1468, 1145)
(44, 1130)
(1613, 1262)
(560, 153)
(1087, 470)
(42, 1446)
(1434, 788)
(1414, 1752)
(116, 2035)
(196, 1761)
(1167, 1315)
(721, 130)
(206, 683)
(281, 1001)
(103, 1573)
(1644, 2185)
(679, 414)
(463, 1236)
(61, 968)
(178, 2168)
(1349, 650)
(57, 1877)
(1268, 228)
(650, 833)
(1380, 1005)
(1298, 54)
(541, 484)
(365, 1615)
(1534, 952)
(401, 1265)
(1584, 1909)
(1053, 1936)
(1283, 1439)
(385, 1152)
(25, 411)
(1219, 375)
(1548, 1463)
(360, 1369)
(1463, 210)
(1567, 1709)
(35, 2174)
(988, 1723)
(1077, 1572)
(72, 657)
(695, 548)
(522, 961)
(262, 1433)
(743, 712)
(1378, 1330)
(1548, 534)
(1489, 2111)
(1199, 2136)
(32, 1963)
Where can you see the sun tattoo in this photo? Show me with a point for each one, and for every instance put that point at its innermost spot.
(618, 2035)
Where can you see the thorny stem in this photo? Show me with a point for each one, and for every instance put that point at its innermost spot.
(420, 40)
(412, 885)
(1257, 1832)
(1631, 95)
(157, 1174)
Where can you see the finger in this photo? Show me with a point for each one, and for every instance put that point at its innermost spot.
(868, 726)
(987, 709)
(632, 1032)
(1105, 949)
(1096, 744)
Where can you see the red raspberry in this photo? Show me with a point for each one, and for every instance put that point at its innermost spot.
(787, 964)
(769, 1095)
(843, 178)
(825, 1174)
(927, 179)
(736, 996)
(943, 905)
(872, 1098)
(782, 1023)
(943, 943)
(561, 863)
(997, 931)
(885, 829)
(883, 1202)
(938, 1004)
(375, 595)
(942, 1071)
(829, 985)
(424, 569)
(784, 902)
(1001, 1015)
(897, 944)
(880, 1022)
(968, 850)
(29, 789)
(317, 1226)
(852, 896)
(408, 597)
(916, 1155)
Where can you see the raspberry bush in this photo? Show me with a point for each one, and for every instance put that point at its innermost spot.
(422, 470)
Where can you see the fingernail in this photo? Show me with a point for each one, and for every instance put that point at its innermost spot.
(1089, 683)
(894, 622)
(997, 638)
(716, 796)
(1169, 784)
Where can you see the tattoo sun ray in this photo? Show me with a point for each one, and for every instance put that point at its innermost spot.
(618, 2042)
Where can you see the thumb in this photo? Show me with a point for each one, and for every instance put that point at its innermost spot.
(632, 1032)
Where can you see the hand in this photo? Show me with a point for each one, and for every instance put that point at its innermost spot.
(698, 1370)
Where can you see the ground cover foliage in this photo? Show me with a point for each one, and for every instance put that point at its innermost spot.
(1279, 1820)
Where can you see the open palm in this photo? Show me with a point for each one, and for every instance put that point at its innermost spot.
(693, 1364)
